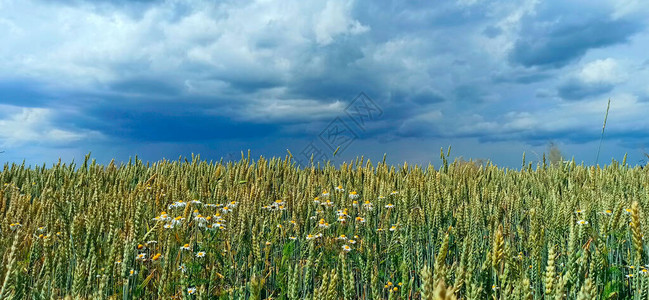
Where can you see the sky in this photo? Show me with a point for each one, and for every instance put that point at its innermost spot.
(165, 79)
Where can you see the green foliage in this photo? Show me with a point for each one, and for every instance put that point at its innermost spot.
(259, 229)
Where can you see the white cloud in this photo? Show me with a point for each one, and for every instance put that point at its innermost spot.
(625, 8)
(601, 71)
(509, 23)
(20, 126)
(282, 110)
(90, 45)
(627, 114)
(335, 20)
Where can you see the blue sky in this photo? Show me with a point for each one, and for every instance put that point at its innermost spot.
(163, 79)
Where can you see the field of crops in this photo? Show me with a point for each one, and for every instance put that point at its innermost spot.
(262, 229)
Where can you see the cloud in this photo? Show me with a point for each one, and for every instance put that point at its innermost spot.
(492, 31)
(521, 76)
(601, 71)
(24, 93)
(576, 90)
(423, 124)
(19, 126)
(571, 122)
(423, 96)
(595, 78)
(335, 20)
(142, 86)
(558, 34)
(179, 126)
(472, 93)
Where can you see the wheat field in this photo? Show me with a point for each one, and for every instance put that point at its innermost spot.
(269, 229)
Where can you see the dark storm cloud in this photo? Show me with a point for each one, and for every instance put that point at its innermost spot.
(146, 87)
(576, 90)
(469, 93)
(540, 137)
(492, 31)
(424, 96)
(23, 93)
(558, 34)
(167, 126)
(521, 76)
